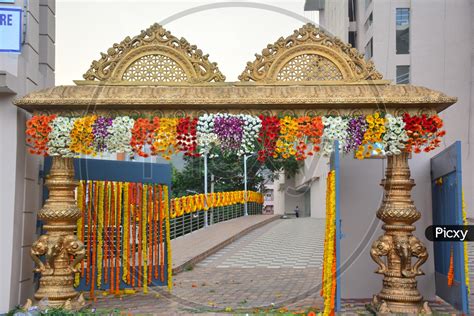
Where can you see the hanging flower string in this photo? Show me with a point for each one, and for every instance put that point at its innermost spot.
(111, 212)
(186, 136)
(269, 136)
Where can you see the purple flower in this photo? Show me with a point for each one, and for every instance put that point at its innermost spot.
(100, 130)
(229, 130)
(356, 130)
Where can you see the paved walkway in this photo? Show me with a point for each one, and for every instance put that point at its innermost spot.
(278, 264)
(192, 248)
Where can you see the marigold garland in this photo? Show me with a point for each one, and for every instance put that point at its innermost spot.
(82, 138)
(144, 239)
(285, 144)
(168, 237)
(328, 289)
(79, 225)
(100, 230)
(165, 142)
(466, 252)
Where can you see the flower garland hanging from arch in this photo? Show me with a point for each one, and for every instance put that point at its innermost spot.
(271, 137)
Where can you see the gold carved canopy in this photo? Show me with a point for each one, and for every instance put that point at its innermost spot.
(306, 73)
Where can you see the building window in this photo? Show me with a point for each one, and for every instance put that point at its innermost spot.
(403, 30)
(369, 49)
(352, 10)
(403, 74)
(352, 38)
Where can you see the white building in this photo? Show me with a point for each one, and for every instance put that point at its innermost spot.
(425, 43)
(20, 193)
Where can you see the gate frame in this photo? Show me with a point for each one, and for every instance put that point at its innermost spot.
(447, 169)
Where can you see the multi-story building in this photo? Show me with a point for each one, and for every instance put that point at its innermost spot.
(20, 194)
(421, 42)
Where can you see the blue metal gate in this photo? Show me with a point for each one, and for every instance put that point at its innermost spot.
(446, 184)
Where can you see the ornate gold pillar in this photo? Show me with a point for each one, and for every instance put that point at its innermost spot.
(59, 246)
(399, 292)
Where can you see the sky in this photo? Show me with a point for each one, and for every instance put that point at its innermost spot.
(230, 33)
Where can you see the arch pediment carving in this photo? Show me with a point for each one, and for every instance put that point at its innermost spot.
(154, 56)
(309, 54)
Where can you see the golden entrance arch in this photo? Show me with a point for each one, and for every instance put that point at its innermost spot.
(306, 73)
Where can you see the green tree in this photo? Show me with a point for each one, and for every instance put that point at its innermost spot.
(228, 173)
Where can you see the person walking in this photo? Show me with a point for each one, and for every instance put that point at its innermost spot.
(297, 211)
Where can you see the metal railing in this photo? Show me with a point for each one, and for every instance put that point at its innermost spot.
(191, 222)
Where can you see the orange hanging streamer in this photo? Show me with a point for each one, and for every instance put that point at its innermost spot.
(89, 224)
(114, 230)
(451, 268)
(106, 232)
(94, 238)
(162, 246)
(156, 208)
(140, 232)
(83, 214)
(134, 231)
(118, 237)
(150, 232)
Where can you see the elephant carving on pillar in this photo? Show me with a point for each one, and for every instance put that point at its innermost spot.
(380, 248)
(53, 247)
(419, 251)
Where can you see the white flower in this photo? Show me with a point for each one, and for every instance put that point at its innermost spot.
(395, 136)
(59, 138)
(335, 128)
(120, 135)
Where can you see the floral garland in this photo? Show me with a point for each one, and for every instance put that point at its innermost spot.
(59, 139)
(82, 138)
(282, 138)
(38, 129)
(120, 135)
(142, 135)
(328, 289)
(335, 128)
(195, 203)
(251, 127)
(289, 131)
(268, 136)
(466, 252)
(229, 130)
(356, 129)
(186, 136)
(168, 237)
(310, 130)
(373, 135)
(424, 133)
(395, 136)
(165, 141)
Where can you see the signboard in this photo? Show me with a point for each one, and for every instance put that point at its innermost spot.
(10, 29)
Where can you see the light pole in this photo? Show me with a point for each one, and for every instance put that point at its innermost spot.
(205, 190)
(245, 183)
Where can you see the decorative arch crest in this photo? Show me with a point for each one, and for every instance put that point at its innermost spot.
(154, 56)
(309, 54)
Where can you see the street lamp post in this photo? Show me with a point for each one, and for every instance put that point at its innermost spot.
(205, 190)
(245, 183)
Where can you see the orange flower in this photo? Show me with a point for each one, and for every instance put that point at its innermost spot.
(38, 130)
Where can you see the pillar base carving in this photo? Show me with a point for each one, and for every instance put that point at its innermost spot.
(398, 245)
(59, 244)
